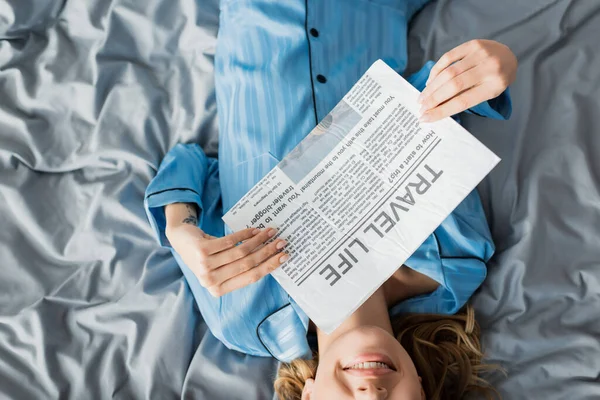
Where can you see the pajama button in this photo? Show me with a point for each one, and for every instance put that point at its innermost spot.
(321, 79)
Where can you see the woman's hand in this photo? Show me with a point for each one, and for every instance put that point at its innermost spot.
(225, 264)
(469, 74)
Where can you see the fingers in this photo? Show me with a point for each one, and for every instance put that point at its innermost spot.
(449, 58)
(229, 241)
(453, 71)
(457, 104)
(240, 251)
(215, 269)
(218, 276)
(453, 86)
(249, 277)
(472, 73)
(217, 261)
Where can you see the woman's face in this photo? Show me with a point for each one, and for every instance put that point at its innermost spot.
(365, 363)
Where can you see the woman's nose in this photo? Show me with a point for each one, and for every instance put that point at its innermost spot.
(371, 392)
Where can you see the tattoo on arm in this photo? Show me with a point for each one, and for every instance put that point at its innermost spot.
(192, 217)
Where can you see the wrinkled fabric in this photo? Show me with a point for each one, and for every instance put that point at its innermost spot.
(539, 305)
(93, 94)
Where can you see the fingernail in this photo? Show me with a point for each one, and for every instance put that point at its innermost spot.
(425, 118)
(420, 98)
(281, 244)
(256, 231)
(272, 232)
(284, 258)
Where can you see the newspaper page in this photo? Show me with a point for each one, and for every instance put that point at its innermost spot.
(361, 193)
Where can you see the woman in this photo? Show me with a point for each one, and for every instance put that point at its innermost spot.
(276, 75)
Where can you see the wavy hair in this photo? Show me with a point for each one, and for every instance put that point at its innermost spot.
(445, 349)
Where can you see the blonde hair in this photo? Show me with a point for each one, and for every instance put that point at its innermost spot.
(445, 349)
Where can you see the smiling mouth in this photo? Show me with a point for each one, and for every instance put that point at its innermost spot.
(370, 365)
(366, 369)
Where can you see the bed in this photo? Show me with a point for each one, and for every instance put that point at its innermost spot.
(93, 94)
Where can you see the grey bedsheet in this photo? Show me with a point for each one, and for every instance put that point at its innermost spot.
(93, 94)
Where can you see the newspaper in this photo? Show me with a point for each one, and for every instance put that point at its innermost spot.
(361, 193)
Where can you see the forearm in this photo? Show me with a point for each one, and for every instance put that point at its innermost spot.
(181, 213)
(185, 176)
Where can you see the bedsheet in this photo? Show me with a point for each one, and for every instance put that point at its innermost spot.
(540, 303)
(93, 94)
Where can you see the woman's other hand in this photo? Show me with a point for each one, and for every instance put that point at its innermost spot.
(469, 74)
(225, 264)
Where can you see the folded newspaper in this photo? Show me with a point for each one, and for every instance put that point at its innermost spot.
(361, 193)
